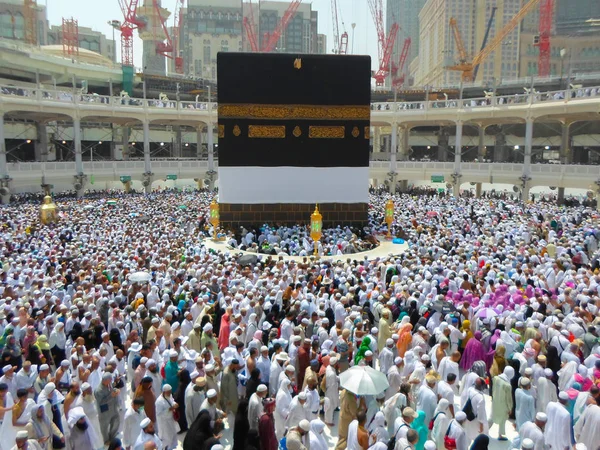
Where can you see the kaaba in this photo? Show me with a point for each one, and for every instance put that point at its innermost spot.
(293, 132)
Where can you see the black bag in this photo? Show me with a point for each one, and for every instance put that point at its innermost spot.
(468, 410)
(392, 442)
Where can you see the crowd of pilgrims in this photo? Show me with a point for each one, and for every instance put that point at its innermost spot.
(492, 297)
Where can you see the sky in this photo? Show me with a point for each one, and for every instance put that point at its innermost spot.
(96, 13)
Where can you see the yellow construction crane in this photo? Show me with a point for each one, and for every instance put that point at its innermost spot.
(467, 68)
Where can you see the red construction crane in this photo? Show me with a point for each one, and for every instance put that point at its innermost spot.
(70, 37)
(399, 80)
(165, 45)
(129, 24)
(543, 41)
(250, 27)
(270, 39)
(340, 43)
(385, 43)
(177, 25)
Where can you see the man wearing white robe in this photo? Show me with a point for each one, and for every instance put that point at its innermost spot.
(524, 403)
(276, 370)
(282, 408)
(394, 378)
(587, 429)
(581, 402)
(457, 431)
(386, 356)
(546, 391)
(131, 423)
(534, 431)
(87, 401)
(427, 398)
(148, 434)
(449, 364)
(298, 410)
(167, 426)
(479, 425)
(332, 390)
(194, 396)
(557, 434)
(255, 406)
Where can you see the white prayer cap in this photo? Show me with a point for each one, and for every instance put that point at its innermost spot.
(261, 388)
(44, 367)
(430, 445)
(374, 330)
(207, 327)
(209, 367)
(211, 393)
(167, 388)
(542, 417)
(217, 447)
(563, 396)
(302, 395)
(144, 423)
(527, 443)
(22, 434)
(368, 353)
(548, 373)
(525, 382)
(290, 368)
(85, 386)
(580, 446)
(398, 360)
(389, 342)
(173, 354)
(304, 424)
(150, 362)
(143, 360)
(264, 348)
(460, 416)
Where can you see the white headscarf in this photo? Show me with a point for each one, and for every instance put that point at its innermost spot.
(317, 438)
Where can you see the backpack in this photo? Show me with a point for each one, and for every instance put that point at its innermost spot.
(392, 442)
(468, 410)
(449, 443)
(433, 420)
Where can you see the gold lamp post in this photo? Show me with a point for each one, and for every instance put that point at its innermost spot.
(389, 216)
(48, 211)
(316, 228)
(214, 217)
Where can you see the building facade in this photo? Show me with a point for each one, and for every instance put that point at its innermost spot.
(438, 50)
(12, 21)
(89, 39)
(406, 14)
(577, 17)
(212, 26)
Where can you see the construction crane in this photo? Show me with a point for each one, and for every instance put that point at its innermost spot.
(485, 37)
(385, 44)
(164, 45)
(467, 68)
(340, 43)
(250, 28)
(270, 39)
(127, 27)
(543, 40)
(30, 19)
(177, 25)
(399, 80)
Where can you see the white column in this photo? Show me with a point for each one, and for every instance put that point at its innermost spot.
(211, 154)
(481, 149)
(458, 146)
(77, 143)
(199, 142)
(394, 149)
(147, 164)
(527, 159)
(3, 166)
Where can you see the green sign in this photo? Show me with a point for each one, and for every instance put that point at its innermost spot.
(125, 178)
(437, 178)
(171, 177)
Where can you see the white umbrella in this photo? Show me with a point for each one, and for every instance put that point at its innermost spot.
(363, 380)
(140, 277)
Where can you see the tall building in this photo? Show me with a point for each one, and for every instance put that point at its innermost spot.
(406, 14)
(12, 21)
(321, 44)
(153, 35)
(577, 17)
(212, 26)
(88, 39)
(437, 48)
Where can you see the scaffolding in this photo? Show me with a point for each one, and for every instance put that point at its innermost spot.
(70, 37)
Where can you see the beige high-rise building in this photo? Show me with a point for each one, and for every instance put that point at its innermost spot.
(212, 26)
(438, 50)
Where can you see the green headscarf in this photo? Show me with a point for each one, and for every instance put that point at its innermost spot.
(364, 347)
(422, 428)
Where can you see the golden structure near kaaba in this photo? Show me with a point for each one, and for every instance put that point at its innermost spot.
(48, 211)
